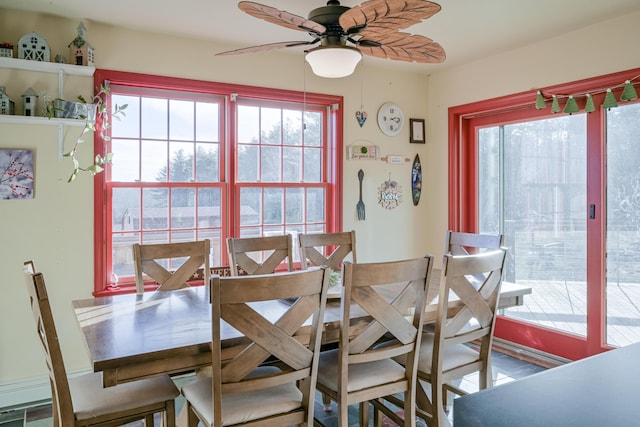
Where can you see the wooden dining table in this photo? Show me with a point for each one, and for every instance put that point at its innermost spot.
(135, 336)
(600, 390)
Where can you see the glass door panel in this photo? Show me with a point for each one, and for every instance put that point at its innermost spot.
(532, 188)
(623, 225)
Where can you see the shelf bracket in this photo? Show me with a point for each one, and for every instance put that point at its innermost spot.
(60, 141)
(61, 83)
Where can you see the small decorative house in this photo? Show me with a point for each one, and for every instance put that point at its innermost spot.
(29, 101)
(34, 47)
(6, 50)
(7, 105)
(80, 50)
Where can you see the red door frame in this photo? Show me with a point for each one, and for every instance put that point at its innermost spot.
(463, 203)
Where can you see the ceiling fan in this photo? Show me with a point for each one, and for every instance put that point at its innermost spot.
(345, 33)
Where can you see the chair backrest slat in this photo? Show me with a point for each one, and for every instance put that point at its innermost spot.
(476, 281)
(392, 295)
(259, 255)
(329, 249)
(460, 243)
(146, 259)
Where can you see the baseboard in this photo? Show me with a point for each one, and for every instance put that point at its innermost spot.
(528, 354)
(26, 393)
(23, 393)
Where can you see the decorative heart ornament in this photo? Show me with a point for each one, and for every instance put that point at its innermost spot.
(361, 116)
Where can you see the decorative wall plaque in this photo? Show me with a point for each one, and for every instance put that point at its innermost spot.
(390, 194)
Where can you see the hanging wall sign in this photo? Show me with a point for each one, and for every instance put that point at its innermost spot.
(416, 180)
(363, 152)
(390, 194)
(361, 117)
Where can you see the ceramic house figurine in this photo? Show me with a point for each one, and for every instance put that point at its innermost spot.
(29, 101)
(80, 50)
(34, 47)
(7, 105)
(6, 50)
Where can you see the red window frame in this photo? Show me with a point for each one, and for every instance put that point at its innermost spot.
(332, 171)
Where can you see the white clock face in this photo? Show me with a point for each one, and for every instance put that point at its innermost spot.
(390, 119)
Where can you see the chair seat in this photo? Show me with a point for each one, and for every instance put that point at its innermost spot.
(361, 375)
(91, 399)
(457, 355)
(454, 356)
(243, 407)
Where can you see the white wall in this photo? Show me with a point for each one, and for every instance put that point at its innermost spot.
(56, 228)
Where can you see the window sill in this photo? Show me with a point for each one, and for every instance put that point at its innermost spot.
(131, 289)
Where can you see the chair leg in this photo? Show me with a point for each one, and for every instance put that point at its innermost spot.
(377, 415)
(326, 402)
(170, 414)
(437, 404)
(364, 414)
(380, 410)
(192, 418)
(148, 420)
(409, 408)
(343, 412)
(486, 378)
(424, 407)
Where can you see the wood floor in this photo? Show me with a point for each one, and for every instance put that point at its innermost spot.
(505, 369)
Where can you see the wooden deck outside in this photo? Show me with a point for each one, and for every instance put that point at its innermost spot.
(562, 305)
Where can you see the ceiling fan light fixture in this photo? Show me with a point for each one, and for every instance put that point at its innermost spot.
(333, 61)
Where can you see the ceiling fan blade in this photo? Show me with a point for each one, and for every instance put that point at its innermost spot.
(280, 17)
(402, 47)
(388, 15)
(268, 46)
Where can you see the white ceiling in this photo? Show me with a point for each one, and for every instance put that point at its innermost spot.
(467, 29)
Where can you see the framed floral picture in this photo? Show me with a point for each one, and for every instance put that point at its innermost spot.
(16, 174)
(416, 130)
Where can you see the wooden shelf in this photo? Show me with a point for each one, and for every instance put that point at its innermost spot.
(60, 123)
(61, 70)
(46, 67)
(25, 120)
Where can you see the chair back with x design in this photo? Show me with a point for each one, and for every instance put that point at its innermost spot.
(154, 260)
(260, 255)
(268, 375)
(329, 249)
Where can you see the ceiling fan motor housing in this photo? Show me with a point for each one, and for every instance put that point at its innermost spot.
(328, 15)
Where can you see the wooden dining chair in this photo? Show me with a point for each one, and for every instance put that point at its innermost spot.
(149, 259)
(329, 249)
(391, 296)
(259, 255)
(267, 376)
(444, 354)
(460, 243)
(82, 400)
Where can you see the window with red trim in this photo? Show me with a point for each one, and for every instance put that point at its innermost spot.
(197, 160)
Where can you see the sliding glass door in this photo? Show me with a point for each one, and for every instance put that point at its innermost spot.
(564, 189)
(623, 225)
(532, 187)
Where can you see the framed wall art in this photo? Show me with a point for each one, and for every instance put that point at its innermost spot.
(16, 174)
(416, 128)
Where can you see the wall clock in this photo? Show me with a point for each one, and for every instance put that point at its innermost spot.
(390, 119)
